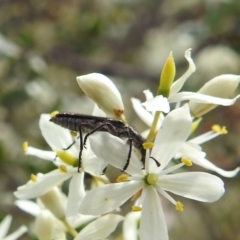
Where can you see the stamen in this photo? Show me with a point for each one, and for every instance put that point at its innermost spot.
(63, 168)
(136, 209)
(122, 178)
(179, 206)
(33, 177)
(151, 178)
(148, 145)
(186, 161)
(25, 146)
(73, 133)
(54, 113)
(67, 157)
(218, 129)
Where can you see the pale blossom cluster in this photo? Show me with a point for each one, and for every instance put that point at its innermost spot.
(170, 153)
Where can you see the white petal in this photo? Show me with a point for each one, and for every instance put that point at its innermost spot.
(142, 113)
(46, 155)
(153, 225)
(201, 98)
(100, 228)
(43, 184)
(5, 225)
(191, 151)
(75, 195)
(15, 235)
(57, 137)
(103, 91)
(203, 162)
(159, 103)
(28, 206)
(114, 151)
(148, 94)
(175, 130)
(108, 197)
(177, 85)
(194, 185)
(130, 226)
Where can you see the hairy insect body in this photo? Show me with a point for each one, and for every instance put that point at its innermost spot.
(89, 124)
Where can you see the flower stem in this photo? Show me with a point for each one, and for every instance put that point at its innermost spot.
(153, 129)
(70, 229)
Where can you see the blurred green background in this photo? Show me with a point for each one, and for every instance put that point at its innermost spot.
(44, 45)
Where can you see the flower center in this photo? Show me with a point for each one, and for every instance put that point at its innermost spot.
(151, 178)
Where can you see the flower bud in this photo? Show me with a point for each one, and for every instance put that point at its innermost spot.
(167, 77)
(54, 202)
(103, 91)
(44, 225)
(222, 86)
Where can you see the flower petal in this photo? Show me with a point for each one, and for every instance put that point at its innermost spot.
(153, 225)
(108, 197)
(203, 162)
(75, 195)
(57, 137)
(103, 91)
(28, 206)
(194, 185)
(142, 113)
(15, 235)
(46, 155)
(43, 184)
(5, 225)
(177, 85)
(114, 151)
(202, 98)
(175, 130)
(159, 103)
(130, 226)
(100, 228)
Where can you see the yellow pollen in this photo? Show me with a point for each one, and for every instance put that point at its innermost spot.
(148, 145)
(186, 161)
(136, 209)
(33, 177)
(54, 113)
(25, 146)
(122, 178)
(218, 129)
(73, 133)
(67, 157)
(152, 178)
(179, 206)
(63, 168)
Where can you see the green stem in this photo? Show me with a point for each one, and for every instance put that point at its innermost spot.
(70, 229)
(153, 129)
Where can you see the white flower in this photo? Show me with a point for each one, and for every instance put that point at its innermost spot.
(103, 91)
(4, 227)
(153, 181)
(191, 148)
(59, 138)
(215, 92)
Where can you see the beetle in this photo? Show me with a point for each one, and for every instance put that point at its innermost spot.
(90, 124)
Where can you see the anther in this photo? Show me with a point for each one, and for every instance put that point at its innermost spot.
(25, 146)
(63, 168)
(122, 178)
(186, 161)
(33, 177)
(136, 209)
(179, 206)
